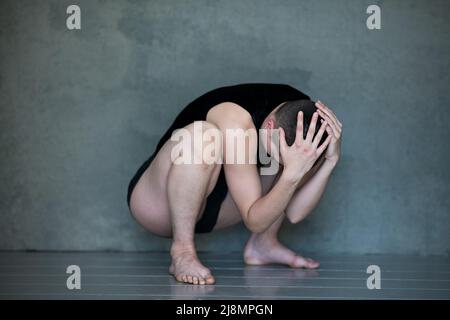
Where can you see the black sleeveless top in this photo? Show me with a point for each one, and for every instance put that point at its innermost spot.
(259, 99)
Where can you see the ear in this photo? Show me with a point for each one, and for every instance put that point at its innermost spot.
(270, 124)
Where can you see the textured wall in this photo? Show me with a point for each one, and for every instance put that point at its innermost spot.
(80, 111)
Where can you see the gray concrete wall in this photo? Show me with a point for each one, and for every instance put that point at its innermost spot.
(80, 111)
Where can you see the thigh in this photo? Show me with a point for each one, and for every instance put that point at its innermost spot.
(148, 203)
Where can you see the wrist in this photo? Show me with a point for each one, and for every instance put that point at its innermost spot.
(331, 163)
(291, 178)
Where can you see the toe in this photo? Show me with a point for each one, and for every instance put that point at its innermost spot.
(179, 278)
(309, 263)
(189, 279)
(202, 281)
(298, 262)
(195, 280)
(210, 280)
(185, 279)
(312, 263)
(301, 262)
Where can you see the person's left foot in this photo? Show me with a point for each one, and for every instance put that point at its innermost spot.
(260, 251)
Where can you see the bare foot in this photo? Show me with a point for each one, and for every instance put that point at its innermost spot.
(187, 268)
(259, 251)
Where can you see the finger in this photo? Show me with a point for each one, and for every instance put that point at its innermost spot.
(330, 121)
(322, 111)
(312, 127)
(336, 130)
(324, 145)
(324, 107)
(283, 143)
(299, 132)
(331, 118)
(328, 111)
(319, 134)
(331, 132)
(336, 133)
(332, 113)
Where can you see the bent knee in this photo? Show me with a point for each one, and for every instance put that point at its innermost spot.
(198, 143)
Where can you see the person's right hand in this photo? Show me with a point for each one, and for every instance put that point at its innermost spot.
(299, 158)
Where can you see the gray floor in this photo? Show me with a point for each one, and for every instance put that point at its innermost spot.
(144, 276)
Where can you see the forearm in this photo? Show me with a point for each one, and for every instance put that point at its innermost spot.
(267, 209)
(305, 199)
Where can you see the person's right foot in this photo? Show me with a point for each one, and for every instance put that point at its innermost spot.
(186, 267)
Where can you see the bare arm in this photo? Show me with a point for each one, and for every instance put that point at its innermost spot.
(243, 180)
(259, 212)
(307, 197)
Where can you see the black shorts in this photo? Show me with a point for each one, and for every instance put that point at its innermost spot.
(213, 202)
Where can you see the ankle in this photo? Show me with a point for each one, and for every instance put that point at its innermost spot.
(182, 248)
(263, 240)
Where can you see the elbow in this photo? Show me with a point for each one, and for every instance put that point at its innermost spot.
(292, 219)
(295, 217)
(255, 228)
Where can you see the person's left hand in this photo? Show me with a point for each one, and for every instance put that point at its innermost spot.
(334, 128)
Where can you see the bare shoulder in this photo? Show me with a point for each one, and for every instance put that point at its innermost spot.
(230, 115)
